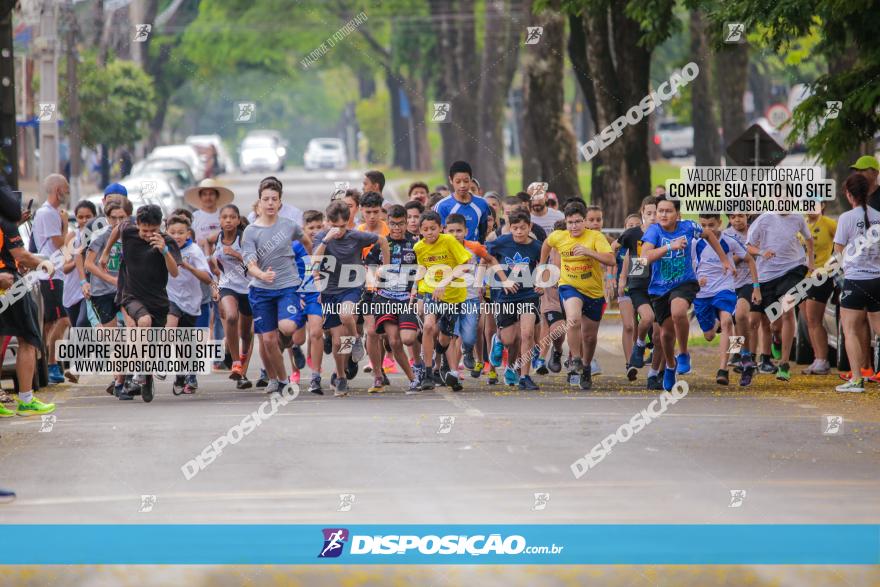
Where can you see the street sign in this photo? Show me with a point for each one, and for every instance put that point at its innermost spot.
(778, 115)
(755, 148)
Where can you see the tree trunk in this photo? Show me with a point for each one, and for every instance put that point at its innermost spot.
(733, 60)
(760, 86)
(544, 108)
(455, 29)
(419, 127)
(707, 148)
(577, 53)
(399, 132)
(528, 146)
(500, 48)
(634, 69)
(624, 84)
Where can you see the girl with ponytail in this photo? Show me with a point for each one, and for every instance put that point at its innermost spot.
(857, 237)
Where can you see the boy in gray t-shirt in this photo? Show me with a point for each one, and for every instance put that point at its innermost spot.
(103, 281)
(275, 301)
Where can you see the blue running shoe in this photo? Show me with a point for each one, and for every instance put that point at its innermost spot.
(511, 377)
(496, 355)
(55, 374)
(683, 363)
(668, 379)
(637, 356)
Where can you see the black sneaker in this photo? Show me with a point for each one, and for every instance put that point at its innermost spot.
(440, 376)
(654, 383)
(428, 383)
(631, 372)
(735, 362)
(315, 385)
(328, 344)
(586, 378)
(263, 381)
(385, 379)
(243, 383)
(468, 360)
(452, 381)
(767, 366)
(722, 377)
(351, 368)
(124, 394)
(111, 388)
(298, 357)
(147, 390)
(555, 364)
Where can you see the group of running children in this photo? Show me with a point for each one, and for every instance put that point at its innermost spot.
(497, 281)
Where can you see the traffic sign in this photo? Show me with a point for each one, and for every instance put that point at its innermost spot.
(777, 115)
(755, 148)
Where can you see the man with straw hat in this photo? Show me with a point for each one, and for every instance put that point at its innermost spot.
(207, 198)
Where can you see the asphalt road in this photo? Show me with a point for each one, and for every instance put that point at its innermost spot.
(393, 453)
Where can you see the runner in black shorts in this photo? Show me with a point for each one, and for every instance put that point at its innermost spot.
(148, 258)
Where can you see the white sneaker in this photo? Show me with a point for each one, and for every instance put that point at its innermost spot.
(852, 386)
(595, 369)
(357, 351)
(818, 367)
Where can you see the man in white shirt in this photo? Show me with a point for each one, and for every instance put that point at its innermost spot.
(49, 234)
(542, 215)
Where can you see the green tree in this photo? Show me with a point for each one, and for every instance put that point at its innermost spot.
(116, 102)
(848, 41)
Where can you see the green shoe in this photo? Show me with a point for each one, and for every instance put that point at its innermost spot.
(783, 374)
(6, 412)
(34, 408)
(776, 347)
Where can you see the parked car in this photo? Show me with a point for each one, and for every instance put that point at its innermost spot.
(261, 152)
(325, 153)
(176, 171)
(186, 153)
(225, 164)
(10, 348)
(674, 139)
(143, 190)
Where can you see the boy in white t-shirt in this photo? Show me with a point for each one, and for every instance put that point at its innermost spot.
(716, 301)
(184, 290)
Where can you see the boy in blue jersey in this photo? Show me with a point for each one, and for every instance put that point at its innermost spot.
(520, 310)
(668, 246)
(313, 223)
(461, 201)
(716, 301)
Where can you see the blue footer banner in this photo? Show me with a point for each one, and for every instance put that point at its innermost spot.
(440, 544)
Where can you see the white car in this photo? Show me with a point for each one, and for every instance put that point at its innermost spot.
(224, 161)
(187, 153)
(325, 154)
(674, 139)
(261, 152)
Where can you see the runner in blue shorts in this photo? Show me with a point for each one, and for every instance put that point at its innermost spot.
(273, 295)
(311, 305)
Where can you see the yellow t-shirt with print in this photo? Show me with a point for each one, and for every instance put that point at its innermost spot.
(823, 239)
(585, 274)
(446, 250)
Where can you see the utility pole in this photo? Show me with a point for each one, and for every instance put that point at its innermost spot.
(72, 119)
(8, 142)
(47, 113)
